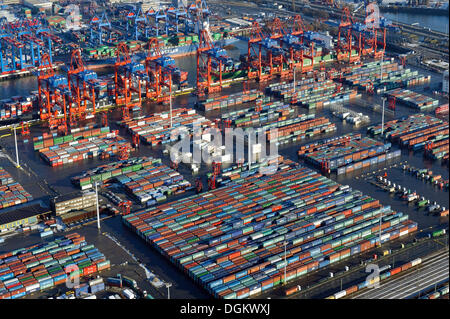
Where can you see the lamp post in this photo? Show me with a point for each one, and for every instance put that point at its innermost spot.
(170, 108)
(383, 98)
(382, 118)
(168, 285)
(381, 217)
(285, 263)
(98, 212)
(295, 69)
(17, 152)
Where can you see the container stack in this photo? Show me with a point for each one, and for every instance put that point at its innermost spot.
(155, 129)
(15, 107)
(51, 139)
(226, 101)
(11, 192)
(43, 266)
(418, 131)
(277, 88)
(347, 153)
(264, 165)
(62, 150)
(269, 113)
(311, 95)
(414, 100)
(393, 76)
(437, 150)
(230, 240)
(153, 182)
(297, 129)
(108, 172)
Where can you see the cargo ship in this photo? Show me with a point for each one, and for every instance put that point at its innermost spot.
(168, 50)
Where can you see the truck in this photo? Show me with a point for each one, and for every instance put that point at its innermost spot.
(128, 293)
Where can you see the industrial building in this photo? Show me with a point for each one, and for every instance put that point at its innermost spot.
(26, 215)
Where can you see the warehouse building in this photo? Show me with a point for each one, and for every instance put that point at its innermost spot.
(23, 216)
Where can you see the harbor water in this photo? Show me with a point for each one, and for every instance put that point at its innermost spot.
(434, 22)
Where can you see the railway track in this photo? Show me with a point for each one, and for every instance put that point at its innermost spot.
(431, 271)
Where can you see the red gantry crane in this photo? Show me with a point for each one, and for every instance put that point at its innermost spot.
(254, 54)
(80, 81)
(345, 39)
(204, 81)
(53, 91)
(275, 59)
(298, 52)
(127, 80)
(125, 207)
(211, 61)
(158, 75)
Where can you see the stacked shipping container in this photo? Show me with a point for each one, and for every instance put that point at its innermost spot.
(156, 129)
(418, 131)
(230, 240)
(255, 117)
(412, 99)
(382, 77)
(311, 94)
(109, 171)
(11, 192)
(153, 182)
(346, 153)
(42, 266)
(297, 129)
(90, 143)
(226, 101)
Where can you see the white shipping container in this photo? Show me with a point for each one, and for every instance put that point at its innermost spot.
(415, 262)
(255, 291)
(403, 233)
(32, 287)
(340, 294)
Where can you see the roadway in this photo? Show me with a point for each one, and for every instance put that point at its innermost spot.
(433, 270)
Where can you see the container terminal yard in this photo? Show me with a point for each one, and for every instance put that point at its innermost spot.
(116, 176)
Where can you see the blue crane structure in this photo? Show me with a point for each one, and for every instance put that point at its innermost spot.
(211, 60)
(81, 82)
(175, 15)
(135, 19)
(54, 93)
(98, 26)
(17, 45)
(128, 76)
(198, 12)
